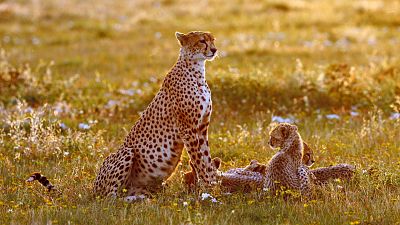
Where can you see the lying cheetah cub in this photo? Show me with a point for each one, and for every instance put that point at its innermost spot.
(245, 179)
(341, 171)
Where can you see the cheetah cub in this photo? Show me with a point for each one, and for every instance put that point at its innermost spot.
(244, 179)
(283, 168)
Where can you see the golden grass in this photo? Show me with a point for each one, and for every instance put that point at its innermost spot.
(100, 63)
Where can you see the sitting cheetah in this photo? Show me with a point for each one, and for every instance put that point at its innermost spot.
(178, 116)
(283, 169)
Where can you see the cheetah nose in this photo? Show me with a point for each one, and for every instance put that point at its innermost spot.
(213, 50)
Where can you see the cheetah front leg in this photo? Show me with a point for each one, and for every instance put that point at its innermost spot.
(305, 182)
(202, 132)
(199, 157)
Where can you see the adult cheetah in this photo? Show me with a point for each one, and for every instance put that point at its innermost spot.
(178, 116)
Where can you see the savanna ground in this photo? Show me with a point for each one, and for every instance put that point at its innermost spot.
(74, 76)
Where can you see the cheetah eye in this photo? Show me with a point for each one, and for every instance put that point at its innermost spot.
(203, 41)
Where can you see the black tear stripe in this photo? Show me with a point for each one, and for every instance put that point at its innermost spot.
(206, 45)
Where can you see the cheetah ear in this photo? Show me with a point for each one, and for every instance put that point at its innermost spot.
(217, 162)
(253, 162)
(285, 131)
(180, 37)
(263, 169)
(306, 147)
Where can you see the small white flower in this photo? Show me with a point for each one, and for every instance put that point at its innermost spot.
(63, 126)
(185, 204)
(353, 113)
(28, 110)
(333, 117)
(204, 196)
(111, 103)
(130, 199)
(66, 153)
(84, 126)
(395, 116)
(134, 198)
(128, 92)
(282, 120)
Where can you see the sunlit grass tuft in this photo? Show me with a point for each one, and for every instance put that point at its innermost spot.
(75, 75)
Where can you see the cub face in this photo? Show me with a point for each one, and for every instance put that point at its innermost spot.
(308, 155)
(279, 135)
(255, 166)
(197, 45)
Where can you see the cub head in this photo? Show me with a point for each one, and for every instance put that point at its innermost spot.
(197, 45)
(308, 155)
(255, 166)
(279, 134)
(190, 178)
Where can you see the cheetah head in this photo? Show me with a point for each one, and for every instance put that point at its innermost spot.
(197, 45)
(189, 178)
(280, 134)
(255, 166)
(308, 155)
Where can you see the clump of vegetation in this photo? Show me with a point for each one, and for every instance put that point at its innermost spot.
(75, 79)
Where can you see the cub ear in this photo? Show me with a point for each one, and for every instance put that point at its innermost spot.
(180, 37)
(306, 147)
(253, 162)
(263, 169)
(217, 162)
(284, 131)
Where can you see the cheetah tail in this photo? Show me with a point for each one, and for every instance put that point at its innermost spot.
(42, 179)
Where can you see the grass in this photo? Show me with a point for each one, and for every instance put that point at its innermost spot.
(100, 63)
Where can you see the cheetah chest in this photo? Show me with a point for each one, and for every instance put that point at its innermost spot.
(205, 102)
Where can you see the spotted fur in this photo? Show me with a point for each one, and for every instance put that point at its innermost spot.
(340, 171)
(283, 168)
(178, 116)
(248, 178)
(252, 177)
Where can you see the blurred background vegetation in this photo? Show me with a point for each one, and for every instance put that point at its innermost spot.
(75, 74)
